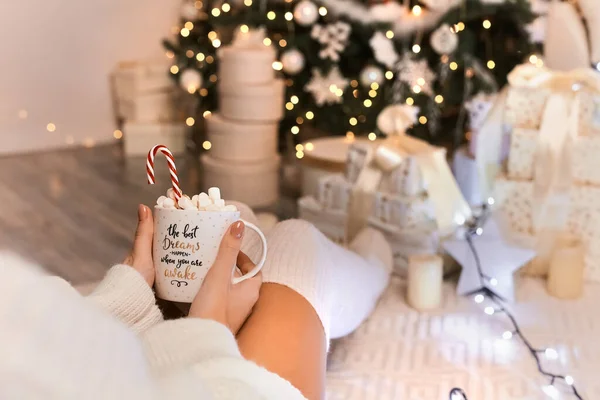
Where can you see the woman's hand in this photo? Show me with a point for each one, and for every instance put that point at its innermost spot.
(140, 257)
(219, 299)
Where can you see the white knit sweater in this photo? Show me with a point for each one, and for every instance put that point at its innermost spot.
(55, 344)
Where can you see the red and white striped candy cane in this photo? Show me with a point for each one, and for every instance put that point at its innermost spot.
(172, 168)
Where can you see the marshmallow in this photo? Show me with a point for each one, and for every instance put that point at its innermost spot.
(186, 204)
(220, 203)
(214, 193)
(160, 200)
(203, 202)
(203, 196)
(213, 207)
(171, 194)
(168, 203)
(230, 207)
(195, 200)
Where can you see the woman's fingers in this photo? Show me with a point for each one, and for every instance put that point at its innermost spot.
(142, 244)
(244, 263)
(223, 266)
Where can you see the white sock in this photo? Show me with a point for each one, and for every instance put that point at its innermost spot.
(342, 286)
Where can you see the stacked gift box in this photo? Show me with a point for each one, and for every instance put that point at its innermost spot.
(243, 159)
(550, 183)
(145, 104)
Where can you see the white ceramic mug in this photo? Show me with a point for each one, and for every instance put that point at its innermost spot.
(186, 243)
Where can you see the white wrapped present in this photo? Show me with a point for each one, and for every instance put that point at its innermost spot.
(139, 137)
(150, 107)
(133, 78)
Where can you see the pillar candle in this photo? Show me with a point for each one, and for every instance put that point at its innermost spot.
(565, 275)
(425, 273)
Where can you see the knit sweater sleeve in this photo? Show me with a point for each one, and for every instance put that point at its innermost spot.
(125, 294)
(209, 350)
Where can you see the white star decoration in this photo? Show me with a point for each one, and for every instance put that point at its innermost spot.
(499, 261)
(415, 74)
(327, 89)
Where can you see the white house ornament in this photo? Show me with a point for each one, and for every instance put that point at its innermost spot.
(383, 49)
(306, 13)
(327, 89)
(190, 79)
(443, 40)
(292, 61)
(333, 38)
(371, 74)
(416, 74)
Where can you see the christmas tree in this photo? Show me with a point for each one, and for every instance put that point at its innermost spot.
(344, 61)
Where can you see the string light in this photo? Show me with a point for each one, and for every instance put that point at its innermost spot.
(322, 11)
(372, 93)
(206, 114)
(421, 82)
(289, 106)
(210, 59)
(200, 57)
(389, 34)
(479, 298)
(410, 101)
(487, 24)
(551, 391)
(439, 99)
(244, 29)
(198, 4)
(295, 130)
(533, 59)
(294, 99)
(299, 120)
(469, 72)
(491, 64)
(191, 89)
(309, 146)
(479, 231)
(374, 85)
(389, 75)
(206, 145)
(190, 121)
(247, 3)
(283, 42)
(215, 12)
(489, 310)
(416, 89)
(277, 65)
(212, 35)
(203, 92)
(271, 15)
(185, 32)
(225, 7)
(368, 103)
(569, 380)
(416, 48)
(289, 16)
(551, 354)
(453, 66)
(267, 41)
(170, 54)
(423, 119)
(350, 136)
(213, 78)
(494, 282)
(174, 69)
(299, 147)
(507, 335)
(189, 53)
(310, 115)
(491, 201)
(353, 121)
(445, 59)
(372, 136)
(417, 10)
(299, 154)
(117, 134)
(50, 127)
(354, 83)
(189, 25)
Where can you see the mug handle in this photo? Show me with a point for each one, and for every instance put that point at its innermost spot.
(263, 256)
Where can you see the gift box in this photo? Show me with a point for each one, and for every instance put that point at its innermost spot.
(331, 222)
(150, 107)
(139, 137)
(137, 77)
(517, 204)
(583, 157)
(252, 102)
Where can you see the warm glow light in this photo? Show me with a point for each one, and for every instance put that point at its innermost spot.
(213, 78)
(206, 114)
(353, 121)
(191, 89)
(215, 12)
(294, 99)
(310, 115)
(479, 298)
(389, 34)
(372, 136)
(489, 310)
(289, 106)
(372, 93)
(354, 83)
(309, 146)
(533, 59)
(271, 15)
(322, 11)
(212, 35)
(299, 147)
(416, 48)
(417, 10)
(170, 54)
(540, 64)
(277, 65)
(368, 103)
(469, 72)
(299, 120)
(206, 145)
(283, 42)
(423, 119)
(189, 121)
(299, 154)
(453, 66)
(247, 3)
(410, 101)
(189, 53)
(216, 43)
(460, 26)
(350, 136)
(374, 85)
(244, 29)
(189, 25)
(487, 24)
(117, 134)
(225, 7)
(421, 82)
(416, 89)
(267, 41)
(185, 32)
(295, 130)
(204, 92)
(198, 4)
(491, 64)
(289, 16)
(200, 56)
(210, 59)
(494, 282)
(439, 99)
(444, 59)
(389, 74)
(507, 335)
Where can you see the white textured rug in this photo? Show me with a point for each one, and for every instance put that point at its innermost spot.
(401, 354)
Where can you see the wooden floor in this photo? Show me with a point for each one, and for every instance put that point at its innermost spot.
(74, 211)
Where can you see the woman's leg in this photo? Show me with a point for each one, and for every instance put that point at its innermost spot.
(313, 290)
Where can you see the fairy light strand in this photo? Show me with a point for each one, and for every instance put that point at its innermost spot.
(498, 307)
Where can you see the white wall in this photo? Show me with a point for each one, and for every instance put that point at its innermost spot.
(55, 57)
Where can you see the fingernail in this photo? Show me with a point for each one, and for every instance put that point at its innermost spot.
(142, 212)
(237, 229)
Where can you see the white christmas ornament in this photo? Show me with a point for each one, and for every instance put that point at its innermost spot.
(415, 74)
(292, 61)
(370, 75)
(333, 38)
(397, 118)
(327, 89)
(383, 49)
(189, 12)
(443, 40)
(498, 260)
(306, 13)
(190, 79)
(537, 30)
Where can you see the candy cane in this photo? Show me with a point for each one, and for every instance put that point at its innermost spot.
(172, 169)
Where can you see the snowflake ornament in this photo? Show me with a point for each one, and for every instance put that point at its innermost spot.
(416, 74)
(383, 49)
(327, 89)
(334, 38)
